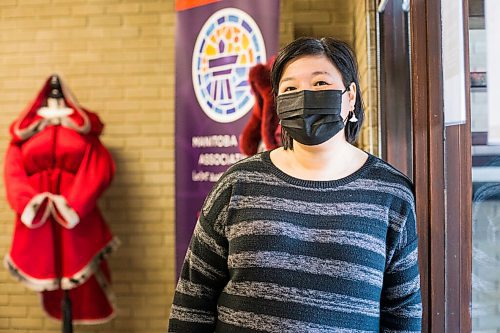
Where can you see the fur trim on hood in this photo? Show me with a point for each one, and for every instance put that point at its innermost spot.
(30, 122)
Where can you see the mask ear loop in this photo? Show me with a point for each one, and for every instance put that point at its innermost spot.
(351, 116)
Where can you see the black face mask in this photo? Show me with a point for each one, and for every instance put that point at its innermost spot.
(311, 117)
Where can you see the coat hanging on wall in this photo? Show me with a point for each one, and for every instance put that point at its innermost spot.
(55, 170)
(262, 131)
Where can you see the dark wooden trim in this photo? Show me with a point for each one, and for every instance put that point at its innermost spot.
(459, 211)
(453, 220)
(458, 224)
(395, 101)
(466, 235)
(436, 201)
(466, 197)
(428, 161)
(420, 162)
(442, 179)
(458, 230)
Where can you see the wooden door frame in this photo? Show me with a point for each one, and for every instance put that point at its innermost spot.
(394, 76)
(442, 177)
(458, 142)
(428, 162)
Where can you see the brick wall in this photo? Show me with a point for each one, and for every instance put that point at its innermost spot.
(320, 18)
(118, 58)
(365, 47)
(287, 26)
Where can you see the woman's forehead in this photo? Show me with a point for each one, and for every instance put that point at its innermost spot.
(309, 65)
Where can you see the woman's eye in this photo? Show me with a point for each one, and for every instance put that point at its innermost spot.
(289, 89)
(321, 83)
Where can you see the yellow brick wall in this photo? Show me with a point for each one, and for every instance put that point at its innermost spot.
(365, 47)
(320, 18)
(118, 58)
(287, 27)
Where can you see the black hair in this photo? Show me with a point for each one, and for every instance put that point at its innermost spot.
(341, 55)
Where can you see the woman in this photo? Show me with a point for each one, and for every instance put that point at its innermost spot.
(315, 236)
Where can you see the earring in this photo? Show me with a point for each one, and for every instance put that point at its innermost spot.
(352, 117)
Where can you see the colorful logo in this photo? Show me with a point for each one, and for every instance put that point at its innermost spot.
(228, 45)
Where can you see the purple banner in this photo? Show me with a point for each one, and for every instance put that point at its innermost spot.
(216, 46)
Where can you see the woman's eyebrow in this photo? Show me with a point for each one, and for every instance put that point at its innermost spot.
(289, 78)
(321, 73)
(286, 79)
(312, 74)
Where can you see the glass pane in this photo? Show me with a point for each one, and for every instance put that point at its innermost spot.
(485, 123)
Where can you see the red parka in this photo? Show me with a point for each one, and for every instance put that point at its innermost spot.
(55, 170)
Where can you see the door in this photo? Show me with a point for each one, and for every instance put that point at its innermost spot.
(442, 161)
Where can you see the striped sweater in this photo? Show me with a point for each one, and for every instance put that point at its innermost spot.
(273, 253)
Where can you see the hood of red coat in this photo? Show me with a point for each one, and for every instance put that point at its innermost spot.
(85, 121)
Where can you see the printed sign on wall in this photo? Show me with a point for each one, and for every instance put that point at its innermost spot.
(217, 44)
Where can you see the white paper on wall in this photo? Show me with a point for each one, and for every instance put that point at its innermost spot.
(453, 62)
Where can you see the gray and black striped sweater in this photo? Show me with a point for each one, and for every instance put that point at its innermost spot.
(273, 253)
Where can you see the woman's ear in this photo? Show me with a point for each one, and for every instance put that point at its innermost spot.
(352, 95)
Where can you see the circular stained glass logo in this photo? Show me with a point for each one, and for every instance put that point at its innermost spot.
(228, 45)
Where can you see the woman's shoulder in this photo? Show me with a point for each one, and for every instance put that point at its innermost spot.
(247, 165)
(249, 162)
(386, 172)
(240, 171)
